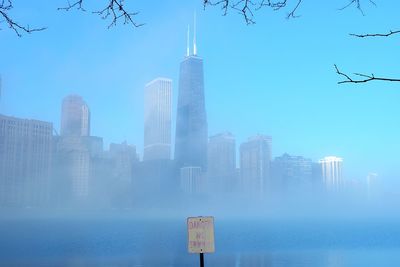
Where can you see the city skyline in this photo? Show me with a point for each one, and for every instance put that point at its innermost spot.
(222, 135)
(292, 96)
(80, 163)
(75, 104)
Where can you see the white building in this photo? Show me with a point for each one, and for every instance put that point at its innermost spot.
(25, 161)
(332, 175)
(157, 119)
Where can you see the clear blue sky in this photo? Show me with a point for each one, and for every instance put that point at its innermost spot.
(275, 77)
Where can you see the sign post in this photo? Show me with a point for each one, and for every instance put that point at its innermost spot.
(201, 259)
(201, 236)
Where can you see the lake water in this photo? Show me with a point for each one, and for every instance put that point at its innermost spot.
(137, 242)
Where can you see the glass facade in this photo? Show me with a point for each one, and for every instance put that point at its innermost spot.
(191, 123)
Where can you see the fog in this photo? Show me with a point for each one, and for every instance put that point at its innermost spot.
(110, 139)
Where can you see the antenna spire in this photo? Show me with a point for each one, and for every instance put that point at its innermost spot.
(187, 42)
(194, 35)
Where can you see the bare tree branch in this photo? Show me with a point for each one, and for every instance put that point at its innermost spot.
(375, 34)
(357, 3)
(274, 5)
(5, 7)
(78, 5)
(292, 13)
(114, 9)
(364, 77)
(247, 8)
(224, 7)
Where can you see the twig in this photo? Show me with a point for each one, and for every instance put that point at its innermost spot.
(367, 78)
(114, 9)
(5, 7)
(245, 10)
(358, 5)
(291, 13)
(247, 7)
(375, 34)
(77, 4)
(225, 5)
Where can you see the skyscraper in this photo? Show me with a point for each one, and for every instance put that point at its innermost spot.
(332, 176)
(255, 162)
(76, 146)
(192, 181)
(75, 117)
(74, 158)
(25, 161)
(221, 163)
(76, 164)
(293, 173)
(191, 122)
(157, 119)
(123, 157)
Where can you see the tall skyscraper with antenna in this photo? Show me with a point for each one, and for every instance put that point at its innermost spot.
(191, 123)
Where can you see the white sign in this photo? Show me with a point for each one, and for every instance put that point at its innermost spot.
(200, 234)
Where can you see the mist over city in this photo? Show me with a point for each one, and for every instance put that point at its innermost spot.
(117, 128)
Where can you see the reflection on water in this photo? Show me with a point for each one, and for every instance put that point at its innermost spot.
(153, 243)
(307, 258)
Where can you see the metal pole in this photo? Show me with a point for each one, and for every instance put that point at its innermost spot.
(201, 259)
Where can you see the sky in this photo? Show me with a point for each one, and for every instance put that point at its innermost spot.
(275, 77)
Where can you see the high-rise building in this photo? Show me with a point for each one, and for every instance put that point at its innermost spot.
(255, 162)
(76, 164)
(292, 172)
(75, 117)
(123, 157)
(192, 181)
(74, 159)
(75, 147)
(332, 175)
(25, 161)
(191, 122)
(157, 119)
(221, 162)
